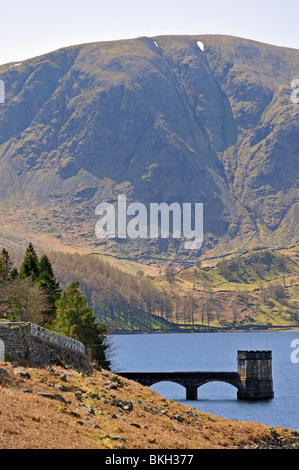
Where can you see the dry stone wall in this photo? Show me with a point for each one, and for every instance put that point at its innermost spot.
(19, 343)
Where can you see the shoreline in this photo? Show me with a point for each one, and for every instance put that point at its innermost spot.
(260, 329)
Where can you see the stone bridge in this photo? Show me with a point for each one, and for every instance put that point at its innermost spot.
(253, 379)
(190, 380)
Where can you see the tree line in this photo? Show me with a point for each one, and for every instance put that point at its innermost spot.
(119, 299)
(33, 294)
(122, 301)
(129, 302)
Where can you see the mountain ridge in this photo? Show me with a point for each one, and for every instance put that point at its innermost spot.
(159, 120)
(240, 38)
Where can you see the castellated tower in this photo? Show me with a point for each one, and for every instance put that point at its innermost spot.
(255, 370)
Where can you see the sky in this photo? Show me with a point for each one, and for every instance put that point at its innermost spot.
(34, 27)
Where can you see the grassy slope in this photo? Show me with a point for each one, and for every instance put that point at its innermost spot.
(89, 419)
(259, 287)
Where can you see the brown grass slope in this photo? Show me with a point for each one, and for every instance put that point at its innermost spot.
(103, 411)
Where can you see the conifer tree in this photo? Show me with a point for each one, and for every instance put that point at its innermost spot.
(75, 318)
(5, 266)
(46, 279)
(13, 274)
(5, 273)
(30, 264)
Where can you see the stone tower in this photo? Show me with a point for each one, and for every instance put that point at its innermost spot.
(255, 371)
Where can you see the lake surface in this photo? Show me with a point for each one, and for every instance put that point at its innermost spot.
(216, 352)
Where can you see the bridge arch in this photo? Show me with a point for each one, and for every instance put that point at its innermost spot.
(234, 383)
(175, 381)
(217, 390)
(170, 389)
(192, 387)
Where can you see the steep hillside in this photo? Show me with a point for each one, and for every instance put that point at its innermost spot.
(56, 408)
(258, 289)
(157, 119)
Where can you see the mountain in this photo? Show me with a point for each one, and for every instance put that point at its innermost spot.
(157, 119)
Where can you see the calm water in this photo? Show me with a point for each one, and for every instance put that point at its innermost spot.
(218, 352)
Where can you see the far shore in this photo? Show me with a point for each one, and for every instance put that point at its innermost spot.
(251, 329)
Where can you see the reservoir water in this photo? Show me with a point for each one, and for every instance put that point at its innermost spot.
(216, 352)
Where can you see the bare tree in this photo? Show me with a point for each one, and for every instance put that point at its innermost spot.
(25, 301)
(235, 314)
(170, 274)
(264, 293)
(198, 264)
(278, 292)
(177, 307)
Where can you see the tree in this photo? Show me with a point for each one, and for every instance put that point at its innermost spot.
(198, 264)
(7, 275)
(170, 274)
(30, 264)
(25, 302)
(5, 264)
(75, 318)
(47, 281)
(278, 292)
(41, 272)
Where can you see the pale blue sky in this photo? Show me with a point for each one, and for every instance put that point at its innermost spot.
(33, 27)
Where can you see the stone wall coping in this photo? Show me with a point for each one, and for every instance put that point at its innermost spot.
(47, 335)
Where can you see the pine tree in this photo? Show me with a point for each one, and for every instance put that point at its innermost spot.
(30, 265)
(75, 318)
(6, 276)
(46, 279)
(13, 274)
(5, 266)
